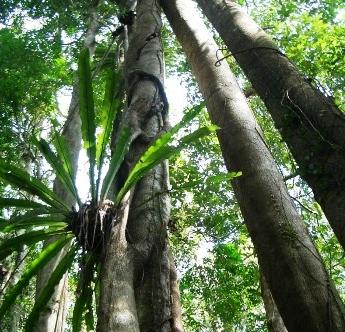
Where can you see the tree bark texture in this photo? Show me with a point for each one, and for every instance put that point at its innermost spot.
(135, 276)
(304, 293)
(176, 312)
(274, 320)
(19, 264)
(310, 123)
(52, 317)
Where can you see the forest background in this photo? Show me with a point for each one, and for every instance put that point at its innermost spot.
(216, 262)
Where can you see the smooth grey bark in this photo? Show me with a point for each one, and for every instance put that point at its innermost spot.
(310, 123)
(304, 293)
(52, 317)
(15, 314)
(176, 310)
(135, 275)
(274, 320)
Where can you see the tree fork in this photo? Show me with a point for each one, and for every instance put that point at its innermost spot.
(311, 125)
(302, 290)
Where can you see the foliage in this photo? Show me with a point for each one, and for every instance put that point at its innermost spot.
(223, 292)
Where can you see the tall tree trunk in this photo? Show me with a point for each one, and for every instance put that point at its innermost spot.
(52, 317)
(304, 293)
(274, 320)
(176, 312)
(311, 125)
(135, 276)
(19, 264)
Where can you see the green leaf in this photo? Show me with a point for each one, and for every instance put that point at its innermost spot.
(215, 180)
(16, 243)
(155, 154)
(83, 303)
(87, 114)
(19, 203)
(187, 118)
(38, 212)
(65, 157)
(57, 165)
(46, 293)
(33, 268)
(111, 106)
(116, 161)
(51, 221)
(22, 180)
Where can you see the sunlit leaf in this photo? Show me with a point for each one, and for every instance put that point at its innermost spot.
(156, 153)
(20, 179)
(57, 165)
(66, 160)
(87, 114)
(115, 162)
(111, 106)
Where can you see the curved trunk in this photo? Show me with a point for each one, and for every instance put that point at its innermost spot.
(19, 265)
(311, 125)
(135, 276)
(52, 317)
(274, 320)
(304, 293)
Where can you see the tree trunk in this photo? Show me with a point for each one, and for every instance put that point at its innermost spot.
(310, 123)
(19, 265)
(135, 275)
(176, 312)
(52, 317)
(305, 296)
(274, 320)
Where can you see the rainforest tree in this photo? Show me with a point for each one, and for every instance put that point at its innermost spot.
(260, 189)
(119, 243)
(310, 122)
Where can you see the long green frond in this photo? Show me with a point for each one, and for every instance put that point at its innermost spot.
(16, 243)
(20, 179)
(36, 265)
(57, 165)
(110, 107)
(87, 114)
(65, 157)
(116, 160)
(156, 153)
(46, 293)
(51, 221)
(20, 203)
(38, 212)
